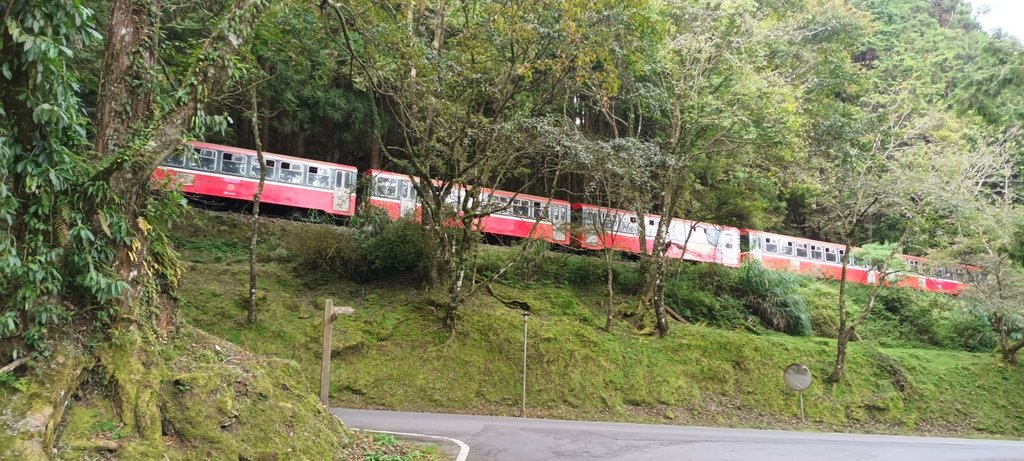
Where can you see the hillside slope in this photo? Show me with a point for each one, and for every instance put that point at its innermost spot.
(393, 354)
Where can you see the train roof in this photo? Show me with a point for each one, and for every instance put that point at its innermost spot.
(271, 155)
(648, 215)
(498, 192)
(918, 259)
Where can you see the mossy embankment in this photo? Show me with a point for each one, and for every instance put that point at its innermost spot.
(393, 353)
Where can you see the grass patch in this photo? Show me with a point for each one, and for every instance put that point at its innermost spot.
(392, 353)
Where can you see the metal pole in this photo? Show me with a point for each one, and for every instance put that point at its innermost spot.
(325, 355)
(802, 407)
(526, 319)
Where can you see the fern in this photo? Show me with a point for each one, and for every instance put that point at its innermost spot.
(774, 298)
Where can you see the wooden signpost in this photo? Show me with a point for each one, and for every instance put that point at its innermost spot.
(330, 313)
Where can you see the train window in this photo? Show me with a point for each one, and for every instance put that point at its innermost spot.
(175, 159)
(801, 250)
(830, 255)
(714, 235)
(787, 248)
(340, 179)
(520, 208)
(771, 245)
(538, 211)
(318, 177)
(385, 187)
(628, 226)
(816, 252)
(291, 172)
(205, 159)
(254, 168)
(558, 214)
(498, 204)
(610, 221)
(233, 163)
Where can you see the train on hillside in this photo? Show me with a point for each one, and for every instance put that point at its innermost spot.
(225, 172)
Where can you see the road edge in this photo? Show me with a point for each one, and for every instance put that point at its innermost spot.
(463, 448)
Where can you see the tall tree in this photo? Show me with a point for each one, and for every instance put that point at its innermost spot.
(80, 227)
(724, 95)
(617, 176)
(473, 90)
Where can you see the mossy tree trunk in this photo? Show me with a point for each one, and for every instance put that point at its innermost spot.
(1007, 348)
(138, 123)
(255, 229)
(610, 284)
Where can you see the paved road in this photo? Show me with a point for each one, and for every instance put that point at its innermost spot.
(522, 439)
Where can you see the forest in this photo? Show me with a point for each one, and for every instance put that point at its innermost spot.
(893, 126)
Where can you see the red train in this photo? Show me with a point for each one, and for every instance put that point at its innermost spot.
(516, 215)
(232, 173)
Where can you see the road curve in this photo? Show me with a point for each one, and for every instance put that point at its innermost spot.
(492, 438)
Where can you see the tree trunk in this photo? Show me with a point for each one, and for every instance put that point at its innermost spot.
(839, 371)
(375, 153)
(254, 237)
(118, 106)
(659, 296)
(1009, 352)
(657, 280)
(611, 290)
(265, 131)
(840, 366)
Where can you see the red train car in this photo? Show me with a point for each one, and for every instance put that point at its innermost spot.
(516, 215)
(233, 173)
(599, 228)
(394, 193)
(823, 259)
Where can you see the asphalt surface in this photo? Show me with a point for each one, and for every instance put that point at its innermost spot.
(521, 439)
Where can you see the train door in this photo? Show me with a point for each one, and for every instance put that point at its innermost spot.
(559, 216)
(344, 184)
(407, 199)
(651, 229)
(730, 248)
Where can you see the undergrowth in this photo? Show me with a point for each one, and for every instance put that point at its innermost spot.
(718, 370)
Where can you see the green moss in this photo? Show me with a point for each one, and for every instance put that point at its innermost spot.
(135, 374)
(214, 401)
(393, 353)
(30, 419)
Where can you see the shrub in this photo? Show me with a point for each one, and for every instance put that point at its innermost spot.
(627, 278)
(966, 329)
(398, 247)
(327, 248)
(914, 312)
(696, 304)
(823, 308)
(370, 219)
(774, 298)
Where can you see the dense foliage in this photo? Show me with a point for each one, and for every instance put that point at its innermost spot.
(856, 121)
